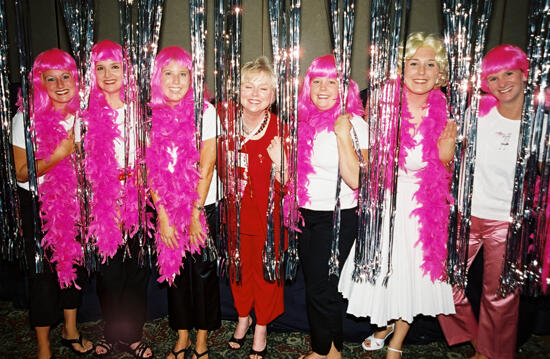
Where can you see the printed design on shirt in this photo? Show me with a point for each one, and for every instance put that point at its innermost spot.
(504, 140)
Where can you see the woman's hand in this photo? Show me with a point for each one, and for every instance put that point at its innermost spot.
(66, 146)
(342, 125)
(446, 143)
(167, 232)
(196, 233)
(274, 150)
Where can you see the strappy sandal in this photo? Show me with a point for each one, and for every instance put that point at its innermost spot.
(186, 352)
(396, 350)
(105, 344)
(139, 351)
(376, 343)
(197, 355)
(259, 354)
(240, 341)
(69, 344)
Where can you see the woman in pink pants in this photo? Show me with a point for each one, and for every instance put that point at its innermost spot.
(504, 75)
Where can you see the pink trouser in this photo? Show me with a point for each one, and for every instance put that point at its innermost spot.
(495, 333)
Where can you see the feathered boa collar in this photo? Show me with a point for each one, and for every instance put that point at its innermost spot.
(172, 160)
(433, 193)
(57, 194)
(309, 124)
(113, 203)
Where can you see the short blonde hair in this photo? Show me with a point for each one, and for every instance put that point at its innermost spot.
(260, 64)
(417, 40)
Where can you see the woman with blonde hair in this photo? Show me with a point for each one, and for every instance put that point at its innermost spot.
(417, 284)
(260, 151)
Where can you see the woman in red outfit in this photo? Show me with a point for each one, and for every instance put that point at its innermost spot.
(260, 151)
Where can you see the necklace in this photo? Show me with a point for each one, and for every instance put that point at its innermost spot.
(260, 128)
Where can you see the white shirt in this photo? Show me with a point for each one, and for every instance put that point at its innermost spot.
(18, 136)
(209, 124)
(120, 143)
(324, 159)
(495, 164)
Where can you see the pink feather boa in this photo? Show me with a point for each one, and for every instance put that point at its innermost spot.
(434, 179)
(103, 173)
(177, 189)
(58, 204)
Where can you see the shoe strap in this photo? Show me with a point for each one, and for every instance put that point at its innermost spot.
(395, 350)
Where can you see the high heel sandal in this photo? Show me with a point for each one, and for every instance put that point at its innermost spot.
(69, 344)
(376, 343)
(260, 354)
(240, 341)
(396, 350)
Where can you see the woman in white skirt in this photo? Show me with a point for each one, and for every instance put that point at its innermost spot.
(416, 284)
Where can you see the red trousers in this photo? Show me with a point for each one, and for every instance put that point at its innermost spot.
(495, 333)
(253, 291)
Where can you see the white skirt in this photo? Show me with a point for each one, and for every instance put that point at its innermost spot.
(408, 292)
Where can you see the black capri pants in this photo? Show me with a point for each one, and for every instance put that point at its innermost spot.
(194, 297)
(325, 305)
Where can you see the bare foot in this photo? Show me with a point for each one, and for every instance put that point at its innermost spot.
(86, 344)
(312, 355)
(178, 347)
(260, 340)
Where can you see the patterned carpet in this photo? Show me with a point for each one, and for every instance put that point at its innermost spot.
(18, 341)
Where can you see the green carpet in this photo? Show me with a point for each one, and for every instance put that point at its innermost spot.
(18, 341)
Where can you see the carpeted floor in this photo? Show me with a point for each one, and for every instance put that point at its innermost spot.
(18, 341)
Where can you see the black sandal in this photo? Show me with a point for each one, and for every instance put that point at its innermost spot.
(197, 355)
(261, 354)
(69, 344)
(139, 351)
(240, 341)
(186, 352)
(105, 344)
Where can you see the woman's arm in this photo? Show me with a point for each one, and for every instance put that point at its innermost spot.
(167, 232)
(64, 149)
(206, 168)
(274, 151)
(446, 143)
(347, 158)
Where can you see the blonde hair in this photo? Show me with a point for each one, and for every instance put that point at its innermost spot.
(417, 40)
(259, 65)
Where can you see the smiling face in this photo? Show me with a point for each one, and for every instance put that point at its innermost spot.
(175, 81)
(507, 86)
(60, 86)
(257, 92)
(324, 92)
(421, 71)
(108, 75)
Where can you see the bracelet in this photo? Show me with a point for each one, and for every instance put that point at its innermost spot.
(200, 208)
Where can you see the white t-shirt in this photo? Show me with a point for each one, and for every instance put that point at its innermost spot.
(496, 153)
(119, 141)
(18, 136)
(324, 159)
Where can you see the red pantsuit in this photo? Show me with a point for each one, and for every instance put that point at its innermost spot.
(253, 291)
(495, 332)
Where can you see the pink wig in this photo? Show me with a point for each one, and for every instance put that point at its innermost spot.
(104, 51)
(180, 57)
(503, 57)
(325, 66)
(53, 59)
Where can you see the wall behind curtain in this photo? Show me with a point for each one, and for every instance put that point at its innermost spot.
(508, 25)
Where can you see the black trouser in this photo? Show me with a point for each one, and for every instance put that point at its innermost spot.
(46, 298)
(122, 291)
(325, 305)
(194, 297)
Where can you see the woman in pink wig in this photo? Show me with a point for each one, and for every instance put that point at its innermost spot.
(55, 101)
(504, 75)
(183, 187)
(114, 225)
(326, 147)
(417, 283)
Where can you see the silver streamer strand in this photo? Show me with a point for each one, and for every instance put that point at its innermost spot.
(382, 110)
(525, 244)
(464, 32)
(342, 40)
(197, 14)
(139, 39)
(11, 245)
(24, 47)
(228, 17)
(285, 40)
(79, 20)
